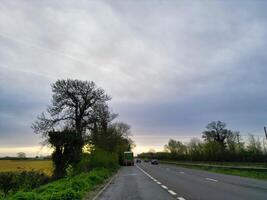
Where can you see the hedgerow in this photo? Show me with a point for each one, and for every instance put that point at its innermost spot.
(70, 188)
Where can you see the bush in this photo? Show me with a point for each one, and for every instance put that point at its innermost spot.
(70, 188)
(98, 158)
(11, 182)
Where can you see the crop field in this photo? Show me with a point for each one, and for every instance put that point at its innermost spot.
(20, 165)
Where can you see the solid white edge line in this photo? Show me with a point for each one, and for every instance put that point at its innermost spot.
(105, 187)
(211, 179)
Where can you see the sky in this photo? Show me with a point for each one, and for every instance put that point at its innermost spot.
(171, 67)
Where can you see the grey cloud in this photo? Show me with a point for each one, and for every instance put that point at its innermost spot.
(171, 67)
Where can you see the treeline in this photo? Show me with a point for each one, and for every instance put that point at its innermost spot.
(219, 144)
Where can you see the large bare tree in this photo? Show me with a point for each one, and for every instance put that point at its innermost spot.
(74, 104)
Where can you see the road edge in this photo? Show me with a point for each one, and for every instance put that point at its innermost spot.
(105, 186)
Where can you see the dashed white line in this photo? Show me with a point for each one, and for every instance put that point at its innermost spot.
(181, 172)
(210, 179)
(163, 186)
(171, 192)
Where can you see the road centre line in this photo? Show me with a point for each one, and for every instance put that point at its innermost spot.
(165, 187)
(210, 179)
(171, 192)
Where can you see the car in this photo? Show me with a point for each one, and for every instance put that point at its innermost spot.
(154, 162)
(138, 160)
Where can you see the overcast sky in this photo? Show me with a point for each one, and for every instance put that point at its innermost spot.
(170, 66)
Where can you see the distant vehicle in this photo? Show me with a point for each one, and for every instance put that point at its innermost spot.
(154, 162)
(138, 160)
(128, 158)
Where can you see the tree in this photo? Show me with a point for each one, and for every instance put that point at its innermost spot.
(21, 155)
(74, 103)
(195, 148)
(234, 143)
(71, 116)
(175, 147)
(254, 145)
(217, 132)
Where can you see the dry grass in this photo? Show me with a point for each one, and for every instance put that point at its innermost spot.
(19, 165)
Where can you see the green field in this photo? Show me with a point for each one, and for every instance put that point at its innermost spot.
(20, 165)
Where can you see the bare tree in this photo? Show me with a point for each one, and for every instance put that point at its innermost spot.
(74, 104)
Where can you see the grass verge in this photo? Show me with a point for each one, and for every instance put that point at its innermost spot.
(246, 172)
(72, 188)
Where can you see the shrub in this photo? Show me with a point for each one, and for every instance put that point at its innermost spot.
(11, 182)
(70, 188)
(97, 159)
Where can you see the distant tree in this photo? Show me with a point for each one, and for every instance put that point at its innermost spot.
(195, 148)
(254, 145)
(216, 131)
(175, 147)
(234, 143)
(21, 155)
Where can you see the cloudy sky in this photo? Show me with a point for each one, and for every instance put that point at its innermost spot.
(170, 66)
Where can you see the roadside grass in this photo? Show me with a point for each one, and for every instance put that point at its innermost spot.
(237, 164)
(71, 188)
(246, 172)
(45, 166)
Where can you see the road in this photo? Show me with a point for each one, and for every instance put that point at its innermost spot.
(163, 182)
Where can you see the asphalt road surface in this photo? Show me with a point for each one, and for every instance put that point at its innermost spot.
(164, 182)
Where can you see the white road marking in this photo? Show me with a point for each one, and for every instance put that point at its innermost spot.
(105, 187)
(210, 179)
(130, 174)
(167, 169)
(181, 172)
(163, 186)
(171, 192)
